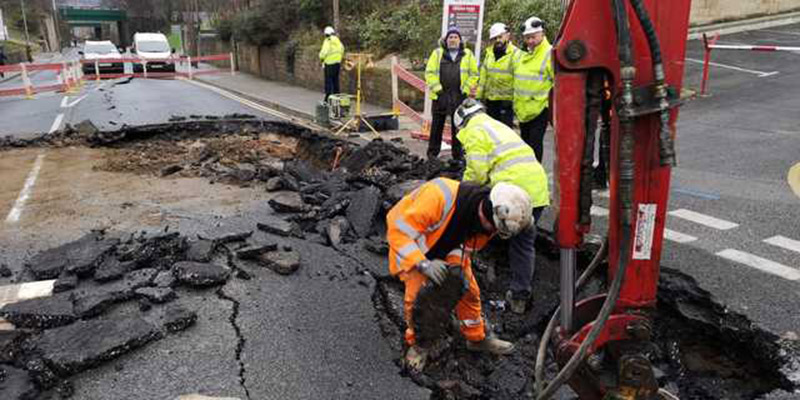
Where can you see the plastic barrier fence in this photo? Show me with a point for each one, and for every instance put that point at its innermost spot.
(399, 107)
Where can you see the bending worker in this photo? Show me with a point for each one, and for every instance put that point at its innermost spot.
(496, 154)
(331, 56)
(496, 85)
(439, 225)
(533, 79)
(451, 75)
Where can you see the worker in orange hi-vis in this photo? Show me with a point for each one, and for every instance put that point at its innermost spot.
(438, 226)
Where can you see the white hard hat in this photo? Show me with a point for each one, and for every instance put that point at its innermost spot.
(469, 108)
(329, 30)
(532, 25)
(512, 211)
(497, 29)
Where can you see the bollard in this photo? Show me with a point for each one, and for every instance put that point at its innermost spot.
(144, 68)
(190, 68)
(233, 66)
(27, 82)
(97, 71)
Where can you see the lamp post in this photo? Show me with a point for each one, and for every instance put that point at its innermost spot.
(27, 36)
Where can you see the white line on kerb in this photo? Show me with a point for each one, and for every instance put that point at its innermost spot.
(15, 213)
(56, 123)
(703, 219)
(786, 243)
(678, 236)
(762, 264)
(760, 74)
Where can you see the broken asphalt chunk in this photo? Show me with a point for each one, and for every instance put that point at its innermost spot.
(252, 252)
(40, 313)
(364, 206)
(80, 256)
(5, 272)
(282, 262)
(65, 282)
(335, 231)
(177, 318)
(164, 279)
(160, 251)
(16, 384)
(200, 250)
(112, 269)
(400, 190)
(87, 344)
(10, 345)
(97, 301)
(225, 238)
(156, 295)
(288, 202)
(276, 226)
(200, 274)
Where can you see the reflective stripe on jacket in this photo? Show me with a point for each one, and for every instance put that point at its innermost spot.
(533, 79)
(495, 153)
(497, 76)
(469, 72)
(332, 51)
(417, 222)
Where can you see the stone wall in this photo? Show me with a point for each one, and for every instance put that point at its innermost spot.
(709, 11)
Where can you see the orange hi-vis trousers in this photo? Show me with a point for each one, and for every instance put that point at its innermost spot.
(468, 309)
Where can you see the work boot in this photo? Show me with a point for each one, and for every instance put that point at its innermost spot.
(491, 345)
(517, 303)
(415, 358)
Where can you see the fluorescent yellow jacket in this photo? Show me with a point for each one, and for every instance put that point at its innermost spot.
(533, 79)
(469, 72)
(332, 51)
(497, 77)
(495, 153)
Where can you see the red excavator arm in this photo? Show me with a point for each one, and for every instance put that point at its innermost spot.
(633, 49)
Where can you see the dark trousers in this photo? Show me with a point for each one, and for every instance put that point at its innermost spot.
(440, 115)
(501, 110)
(522, 259)
(532, 133)
(331, 79)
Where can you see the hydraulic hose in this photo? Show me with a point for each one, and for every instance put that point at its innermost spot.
(548, 332)
(666, 147)
(626, 181)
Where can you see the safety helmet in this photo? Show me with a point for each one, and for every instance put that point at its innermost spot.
(511, 209)
(532, 25)
(497, 29)
(469, 108)
(329, 30)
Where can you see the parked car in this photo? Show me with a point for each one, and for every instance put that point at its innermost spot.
(155, 47)
(100, 50)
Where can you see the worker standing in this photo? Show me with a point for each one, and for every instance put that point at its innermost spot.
(496, 85)
(496, 154)
(438, 226)
(451, 75)
(533, 79)
(331, 56)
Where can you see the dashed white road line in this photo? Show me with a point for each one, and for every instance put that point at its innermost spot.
(678, 237)
(19, 205)
(784, 242)
(760, 74)
(69, 105)
(703, 219)
(762, 264)
(64, 101)
(57, 123)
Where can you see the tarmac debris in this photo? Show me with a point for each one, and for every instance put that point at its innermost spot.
(200, 274)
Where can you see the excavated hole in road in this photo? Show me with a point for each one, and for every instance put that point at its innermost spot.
(703, 351)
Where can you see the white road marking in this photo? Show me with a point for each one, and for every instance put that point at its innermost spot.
(678, 236)
(16, 211)
(64, 101)
(74, 102)
(784, 242)
(56, 124)
(762, 264)
(703, 219)
(760, 74)
(598, 211)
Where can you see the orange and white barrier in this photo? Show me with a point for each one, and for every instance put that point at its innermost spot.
(399, 107)
(26, 86)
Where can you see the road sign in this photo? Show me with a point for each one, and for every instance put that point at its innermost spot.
(467, 16)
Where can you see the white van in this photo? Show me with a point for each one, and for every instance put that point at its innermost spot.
(152, 46)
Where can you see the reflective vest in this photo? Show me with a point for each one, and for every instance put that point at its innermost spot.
(417, 222)
(469, 72)
(332, 51)
(497, 77)
(533, 79)
(495, 153)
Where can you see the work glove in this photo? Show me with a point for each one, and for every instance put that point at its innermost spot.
(435, 270)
